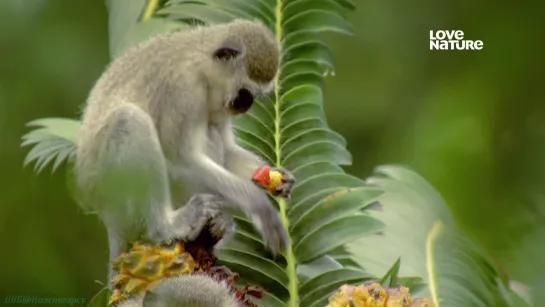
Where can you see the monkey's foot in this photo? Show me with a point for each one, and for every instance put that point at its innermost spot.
(373, 294)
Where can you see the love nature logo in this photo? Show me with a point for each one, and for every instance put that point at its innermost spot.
(452, 40)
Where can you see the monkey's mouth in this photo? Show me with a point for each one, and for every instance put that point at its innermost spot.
(242, 103)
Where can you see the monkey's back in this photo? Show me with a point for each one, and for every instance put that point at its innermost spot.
(145, 74)
(161, 77)
(156, 72)
(146, 77)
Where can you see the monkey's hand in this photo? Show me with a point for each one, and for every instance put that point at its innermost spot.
(287, 182)
(222, 226)
(277, 180)
(267, 221)
(200, 211)
(187, 222)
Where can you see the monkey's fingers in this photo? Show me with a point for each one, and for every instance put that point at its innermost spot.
(284, 190)
(287, 183)
(287, 176)
(222, 226)
(277, 239)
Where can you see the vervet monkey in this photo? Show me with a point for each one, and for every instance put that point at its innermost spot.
(156, 130)
(185, 291)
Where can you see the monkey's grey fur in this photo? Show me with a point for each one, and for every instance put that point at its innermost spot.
(185, 291)
(156, 130)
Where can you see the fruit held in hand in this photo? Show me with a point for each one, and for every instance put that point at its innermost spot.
(268, 178)
(275, 179)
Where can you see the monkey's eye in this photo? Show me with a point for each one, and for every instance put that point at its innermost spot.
(243, 102)
(226, 53)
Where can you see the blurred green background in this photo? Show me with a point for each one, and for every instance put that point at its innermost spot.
(472, 123)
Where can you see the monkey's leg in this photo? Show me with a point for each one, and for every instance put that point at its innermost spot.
(117, 245)
(138, 171)
(135, 176)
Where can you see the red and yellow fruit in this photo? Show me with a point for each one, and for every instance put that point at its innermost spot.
(267, 178)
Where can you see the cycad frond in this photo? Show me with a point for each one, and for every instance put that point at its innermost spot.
(290, 130)
(53, 142)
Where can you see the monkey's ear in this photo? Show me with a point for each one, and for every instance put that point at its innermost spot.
(226, 52)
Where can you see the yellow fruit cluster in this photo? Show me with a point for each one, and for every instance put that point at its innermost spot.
(142, 267)
(372, 294)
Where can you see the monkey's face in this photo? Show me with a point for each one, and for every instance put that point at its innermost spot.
(247, 92)
(242, 102)
(244, 82)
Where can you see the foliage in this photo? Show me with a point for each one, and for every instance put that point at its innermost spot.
(420, 227)
(328, 206)
(55, 139)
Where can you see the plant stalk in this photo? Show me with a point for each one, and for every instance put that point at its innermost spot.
(290, 257)
(149, 10)
(434, 233)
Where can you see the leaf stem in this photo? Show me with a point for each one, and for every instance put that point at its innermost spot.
(151, 7)
(290, 257)
(431, 241)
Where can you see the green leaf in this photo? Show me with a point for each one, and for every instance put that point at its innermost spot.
(318, 289)
(187, 11)
(415, 284)
(338, 205)
(318, 20)
(389, 280)
(295, 7)
(100, 299)
(335, 234)
(128, 26)
(54, 141)
(147, 29)
(421, 231)
(123, 17)
(237, 8)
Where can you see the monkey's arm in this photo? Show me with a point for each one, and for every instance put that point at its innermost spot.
(245, 163)
(242, 193)
(238, 160)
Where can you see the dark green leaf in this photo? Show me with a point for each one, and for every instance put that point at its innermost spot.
(100, 299)
(389, 280)
(334, 234)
